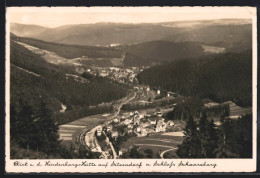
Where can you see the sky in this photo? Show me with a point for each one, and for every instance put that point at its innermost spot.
(58, 16)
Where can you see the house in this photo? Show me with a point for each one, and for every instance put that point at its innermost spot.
(211, 104)
(149, 114)
(129, 131)
(161, 121)
(120, 153)
(99, 131)
(109, 128)
(103, 73)
(114, 135)
(160, 114)
(160, 126)
(150, 129)
(127, 121)
(144, 132)
(116, 120)
(130, 126)
(141, 116)
(153, 121)
(158, 92)
(171, 94)
(145, 124)
(136, 121)
(138, 129)
(171, 123)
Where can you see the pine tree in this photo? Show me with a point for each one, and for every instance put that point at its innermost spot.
(190, 148)
(204, 135)
(212, 139)
(224, 149)
(47, 130)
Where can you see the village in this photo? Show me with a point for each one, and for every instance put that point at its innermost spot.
(133, 124)
(121, 75)
(108, 138)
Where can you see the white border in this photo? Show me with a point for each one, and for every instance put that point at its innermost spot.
(223, 165)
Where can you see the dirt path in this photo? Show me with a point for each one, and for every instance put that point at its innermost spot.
(173, 148)
(27, 71)
(164, 146)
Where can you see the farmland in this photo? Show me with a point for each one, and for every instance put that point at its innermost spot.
(158, 143)
(68, 132)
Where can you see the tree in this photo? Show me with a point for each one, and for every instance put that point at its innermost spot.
(212, 139)
(133, 153)
(204, 134)
(47, 130)
(190, 148)
(224, 146)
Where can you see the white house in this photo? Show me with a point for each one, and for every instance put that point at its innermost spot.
(116, 120)
(138, 129)
(171, 123)
(130, 126)
(144, 132)
(153, 121)
(158, 92)
(127, 121)
(114, 135)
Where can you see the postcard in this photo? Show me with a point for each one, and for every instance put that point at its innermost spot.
(131, 89)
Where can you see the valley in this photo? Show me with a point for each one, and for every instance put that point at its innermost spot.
(124, 91)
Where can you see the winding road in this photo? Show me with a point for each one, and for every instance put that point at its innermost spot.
(83, 139)
(162, 153)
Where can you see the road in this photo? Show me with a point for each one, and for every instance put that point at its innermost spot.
(163, 146)
(162, 153)
(86, 135)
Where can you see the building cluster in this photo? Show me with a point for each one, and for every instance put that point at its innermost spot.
(121, 75)
(142, 87)
(235, 111)
(139, 124)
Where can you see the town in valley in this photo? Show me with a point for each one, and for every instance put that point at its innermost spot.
(114, 90)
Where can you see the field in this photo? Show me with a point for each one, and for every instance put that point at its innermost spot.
(161, 144)
(68, 132)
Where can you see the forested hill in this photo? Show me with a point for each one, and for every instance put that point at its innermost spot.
(71, 51)
(149, 53)
(103, 34)
(220, 77)
(37, 91)
(33, 79)
(161, 51)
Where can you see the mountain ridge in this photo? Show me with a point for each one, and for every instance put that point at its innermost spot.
(104, 34)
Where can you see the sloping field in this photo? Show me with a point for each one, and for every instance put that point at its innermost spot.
(158, 143)
(68, 132)
(213, 49)
(49, 56)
